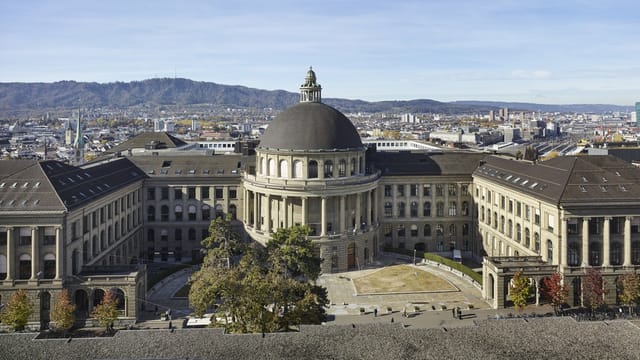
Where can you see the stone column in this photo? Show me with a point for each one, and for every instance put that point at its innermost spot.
(305, 218)
(10, 253)
(285, 204)
(375, 206)
(627, 241)
(358, 211)
(606, 242)
(563, 244)
(323, 216)
(35, 259)
(367, 218)
(343, 221)
(256, 220)
(59, 254)
(585, 241)
(268, 214)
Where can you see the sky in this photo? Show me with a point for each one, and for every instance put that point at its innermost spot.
(543, 51)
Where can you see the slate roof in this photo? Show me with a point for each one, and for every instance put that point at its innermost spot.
(30, 185)
(194, 166)
(567, 179)
(162, 140)
(421, 163)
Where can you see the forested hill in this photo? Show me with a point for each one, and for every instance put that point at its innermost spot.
(16, 98)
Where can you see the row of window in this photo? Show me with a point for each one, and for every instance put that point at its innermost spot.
(178, 194)
(24, 266)
(452, 210)
(192, 213)
(191, 234)
(512, 206)
(268, 168)
(452, 189)
(414, 230)
(616, 257)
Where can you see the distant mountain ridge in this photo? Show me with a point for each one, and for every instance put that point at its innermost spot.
(19, 97)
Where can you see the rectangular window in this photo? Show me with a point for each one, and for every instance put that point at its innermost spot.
(551, 220)
(536, 218)
(387, 191)
(453, 189)
(219, 192)
(205, 192)
(439, 190)
(527, 212)
(177, 194)
(426, 190)
(164, 193)
(151, 193)
(233, 193)
(400, 190)
(191, 193)
(510, 206)
(518, 209)
(413, 190)
(502, 202)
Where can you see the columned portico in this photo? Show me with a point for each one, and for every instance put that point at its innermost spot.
(585, 241)
(627, 241)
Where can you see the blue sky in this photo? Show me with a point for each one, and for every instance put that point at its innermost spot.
(554, 52)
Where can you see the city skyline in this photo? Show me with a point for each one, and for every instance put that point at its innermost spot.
(552, 53)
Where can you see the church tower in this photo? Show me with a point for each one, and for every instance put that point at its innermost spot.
(78, 144)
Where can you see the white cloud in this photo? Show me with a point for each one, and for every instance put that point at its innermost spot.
(531, 74)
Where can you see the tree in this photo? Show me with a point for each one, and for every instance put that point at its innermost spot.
(555, 291)
(63, 312)
(519, 290)
(593, 289)
(223, 241)
(629, 286)
(107, 311)
(291, 251)
(17, 310)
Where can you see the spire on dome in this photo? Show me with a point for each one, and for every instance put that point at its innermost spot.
(310, 91)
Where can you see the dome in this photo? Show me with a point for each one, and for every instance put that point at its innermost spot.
(311, 126)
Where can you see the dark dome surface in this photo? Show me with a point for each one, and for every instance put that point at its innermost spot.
(311, 126)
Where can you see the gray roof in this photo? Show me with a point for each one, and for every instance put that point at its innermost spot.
(311, 126)
(160, 140)
(567, 179)
(195, 166)
(30, 185)
(422, 163)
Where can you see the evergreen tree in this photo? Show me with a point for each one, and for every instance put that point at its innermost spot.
(17, 311)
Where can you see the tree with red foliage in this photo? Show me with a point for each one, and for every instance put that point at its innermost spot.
(593, 289)
(554, 290)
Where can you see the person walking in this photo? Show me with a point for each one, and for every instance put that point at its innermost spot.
(375, 312)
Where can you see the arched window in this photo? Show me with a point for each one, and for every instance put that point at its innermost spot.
(297, 169)
(427, 230)
(191, 209)
(164, 213)
(342, 168)
(353, 166)
(328, 169)
(49, 266)
(388, 209)
(465, 229)
(510, 228)
(178, 234)
(151, 213)
(453, 210)
(360, 167)
(206, 212)
(495, 220)
(284, 169)
(178, 212)
(414, 209)
(313, 169)
(426, 209)
(549, 251)
(502, 224)
(439, 230)
(482, 213)
(401, 209)
(452, 230)
(488, 216)
(594, 254)
(518, 233)
(272, 168)
(440, 209)
(465, 208)
(25, 266)
(263, 166)
(3, 267)
(414, 230)
(151, 235)
(536, 242)
(616, 253)
(103, 243)
(527, 237)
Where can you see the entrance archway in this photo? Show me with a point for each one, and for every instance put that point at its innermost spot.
(82, 304)
(491, 287)
(351, 256)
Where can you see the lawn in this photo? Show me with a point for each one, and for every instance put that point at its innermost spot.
(400, 278)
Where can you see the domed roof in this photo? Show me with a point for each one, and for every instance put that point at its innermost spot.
(311, 126)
